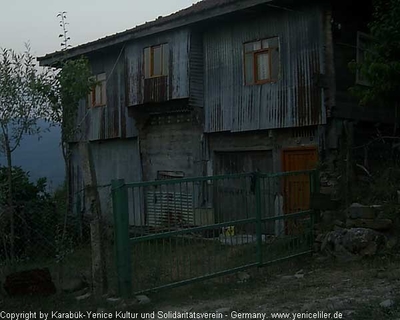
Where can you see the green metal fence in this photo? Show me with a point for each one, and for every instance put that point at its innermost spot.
(172, 232)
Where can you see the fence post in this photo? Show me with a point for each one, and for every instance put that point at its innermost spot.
(314, 188)
(121, 232)
(258, 217)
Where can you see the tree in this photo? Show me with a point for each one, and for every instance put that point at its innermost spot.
(23, 101)
(381, 66)
(72, 82)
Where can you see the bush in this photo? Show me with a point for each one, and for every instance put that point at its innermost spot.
(34, 214)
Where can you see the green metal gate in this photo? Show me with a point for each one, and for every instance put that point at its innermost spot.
(172, 232)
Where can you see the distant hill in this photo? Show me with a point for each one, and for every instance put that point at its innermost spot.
(42, 158)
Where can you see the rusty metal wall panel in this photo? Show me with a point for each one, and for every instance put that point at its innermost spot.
(295, 100)
(114, 159)
(196, 70)
(177, 84)
(110, 121)
(155, 89)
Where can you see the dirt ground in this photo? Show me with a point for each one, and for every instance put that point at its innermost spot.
(368, 289)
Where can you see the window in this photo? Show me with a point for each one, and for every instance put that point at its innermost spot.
(98, 97)
(261, 61)
(364, 44)
(156, 61)
(166, 175)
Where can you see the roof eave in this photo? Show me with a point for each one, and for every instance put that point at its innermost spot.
(141, 31)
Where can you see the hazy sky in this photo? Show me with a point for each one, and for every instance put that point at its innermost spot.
(36, 20)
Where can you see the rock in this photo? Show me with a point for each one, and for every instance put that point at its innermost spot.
(243, 276)
(359, 211)
(375, 224)
(339, 223)
(309, 307)
(114, 300)
(320, 238)
(391, 242)
(353, 243)
(387, 304)
(31, 282)
(143, 299)
(83, 297)
(223, 310)
(74, 284)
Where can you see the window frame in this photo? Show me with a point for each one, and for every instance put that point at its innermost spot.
(92, 102)
(255, 53)
(149, 69)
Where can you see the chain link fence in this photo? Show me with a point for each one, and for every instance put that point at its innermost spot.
(43, 235)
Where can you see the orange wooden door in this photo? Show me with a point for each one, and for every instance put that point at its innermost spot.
(296, 188)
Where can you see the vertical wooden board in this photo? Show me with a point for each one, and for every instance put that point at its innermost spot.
(296, 188)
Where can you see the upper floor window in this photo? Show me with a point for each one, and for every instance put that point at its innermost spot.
(364, 45)
(156, 61)
(261, 61)
(98, 97)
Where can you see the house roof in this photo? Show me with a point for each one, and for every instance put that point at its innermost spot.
(199, 11)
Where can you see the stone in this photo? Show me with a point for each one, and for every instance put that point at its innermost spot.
(351, 244)
(243, 276)
(31, 282)
(114, 300)
(83, 297)
(391, 242)
(74, 284)
(320, 238)
(223, 310)
(387, 304)
(339, 223)
(375, 224)
(359, 211)
(143, 299)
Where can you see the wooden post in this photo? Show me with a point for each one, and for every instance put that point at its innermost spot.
(99, 276)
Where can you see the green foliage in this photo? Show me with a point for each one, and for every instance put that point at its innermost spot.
(34, 212)
(381, 67)
(71, 84)
(23, 97)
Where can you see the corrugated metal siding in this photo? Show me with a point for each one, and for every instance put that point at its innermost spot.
(294, 100)
(116, 159)
(196, 70)
(110, 121)
(177, 84)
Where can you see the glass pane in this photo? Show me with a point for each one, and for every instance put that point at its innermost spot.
(89, 100)
(165, 59)
(270, 43)
(98, 95)
(263, 72)
(157, 64)
(249, 68)
(101, 77)
(147, 62)
(103, 93)
(252, 46)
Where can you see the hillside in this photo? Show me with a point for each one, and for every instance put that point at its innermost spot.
(41, 157)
